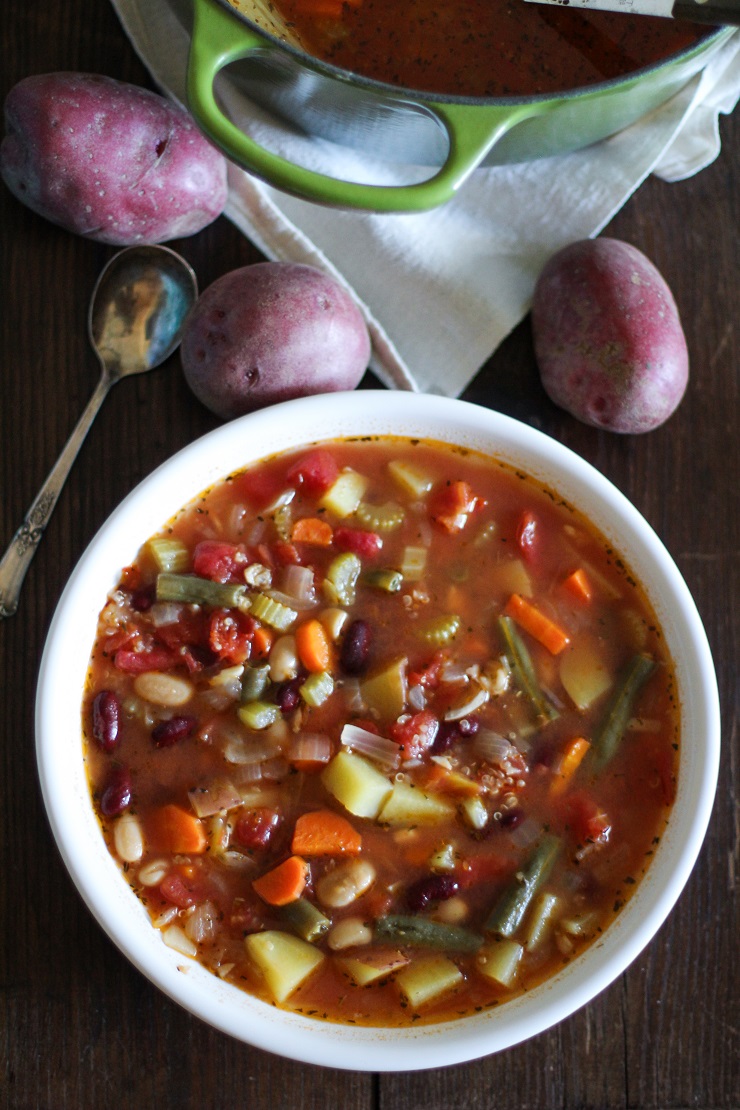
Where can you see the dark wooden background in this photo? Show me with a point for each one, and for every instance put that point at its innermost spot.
(79, 1027)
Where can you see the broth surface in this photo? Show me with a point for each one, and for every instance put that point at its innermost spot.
(482, 48)
(426, 808)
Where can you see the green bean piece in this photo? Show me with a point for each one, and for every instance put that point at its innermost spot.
(609, 734)
(306, 919)
(255, 681)
(523, 670)
(421, 932)
(384, 579)
(191, 590)
(508, 913)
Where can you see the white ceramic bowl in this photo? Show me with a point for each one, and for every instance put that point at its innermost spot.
(75, 826)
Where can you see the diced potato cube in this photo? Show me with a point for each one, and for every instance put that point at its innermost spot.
(343, 497)
(355, 783)
(511, 577)
(386, 691)
(475, 813)
(411, 479)
(428, 978)
(408, 805)
(499, 961)
(284, 960)
(583, 674)
(372, 967)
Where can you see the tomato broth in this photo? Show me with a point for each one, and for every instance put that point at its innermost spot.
(381, 731)
(482, 48)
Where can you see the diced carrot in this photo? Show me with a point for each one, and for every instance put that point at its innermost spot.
(285, 883)
(261, 643)
(325, 833)
(312, 645)
(440, 779)
(172, 829)
(452, 504)
(578, 584)
(539, 626)
(568, 764)
(311, 529)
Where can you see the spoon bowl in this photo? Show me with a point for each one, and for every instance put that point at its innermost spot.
(137, 311)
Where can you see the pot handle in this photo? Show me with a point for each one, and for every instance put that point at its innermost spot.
(217, 42)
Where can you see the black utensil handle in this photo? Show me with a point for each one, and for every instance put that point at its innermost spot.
(716, 12)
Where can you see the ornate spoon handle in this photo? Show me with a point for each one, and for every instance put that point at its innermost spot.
(22, 548)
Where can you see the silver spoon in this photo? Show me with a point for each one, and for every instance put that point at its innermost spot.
(135, 320)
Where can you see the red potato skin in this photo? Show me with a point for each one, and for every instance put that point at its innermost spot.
(270, 332)
(108, 160)
(608, 338)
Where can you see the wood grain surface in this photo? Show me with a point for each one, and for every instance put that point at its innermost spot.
(80, 1029)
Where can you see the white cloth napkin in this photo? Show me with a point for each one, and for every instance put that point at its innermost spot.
(440, 290)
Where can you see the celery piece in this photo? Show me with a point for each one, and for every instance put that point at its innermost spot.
(408, 805)
(390, 581)
(409, 478)
(191, 590)
(340, 581)
(258, 714)
(426, 979)
(343, 497)
(413, 563)
(317, 688)
(386, 690)
(523, 670)
(499, 961)
(380, 518)
(508, 913)
(356, 784)
(608, 736)
(169, 553)
(284, 960)
(255, 681)
(283, 520)
(307, 920)
(274, 613)
(422, 932)
(440, 630)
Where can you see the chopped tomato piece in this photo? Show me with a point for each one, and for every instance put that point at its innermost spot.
(262, 487)
(585, 819)
(314, 473)
(230, 635)
(526, 535)
(255, 828)
(221, 562)
(452, 504)
(174, 889)
(415, 734)
(359, 542)
(286, 553)
(150, 659)
(429, 674)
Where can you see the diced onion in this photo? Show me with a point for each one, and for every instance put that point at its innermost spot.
(417, 698)
(496, 749)
(258, 747)
(165, 612)
(297, 582)
(312, 747)
(214, 797)
(526, 833)
(382, 751)
(202, 923)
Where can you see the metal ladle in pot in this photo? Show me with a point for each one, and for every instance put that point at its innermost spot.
(135, 321)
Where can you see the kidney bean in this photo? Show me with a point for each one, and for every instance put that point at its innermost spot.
(106, 720)
(256, 827)
(170, 732)
(355, 650)
(432, 888)
(143, 599)
(450, 731)
(116, 796)
(512, 818)
(288, 695)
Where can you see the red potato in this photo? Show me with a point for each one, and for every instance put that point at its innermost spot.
(108, 160)
(608, 338)
(270, 332)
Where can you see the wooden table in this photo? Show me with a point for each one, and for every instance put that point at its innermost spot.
(79, 1027)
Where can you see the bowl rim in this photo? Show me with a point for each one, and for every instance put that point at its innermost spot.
(92, 868)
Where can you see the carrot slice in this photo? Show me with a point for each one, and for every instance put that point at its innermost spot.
(539, 626)
(284, 884)
(324, 833)
(312, 645)
(261, 642)
(568, 764)
(173, 829)
(578, 584)
(310, 529)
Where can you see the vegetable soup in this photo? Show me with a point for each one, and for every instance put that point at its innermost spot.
(482, 47)
(381, 731)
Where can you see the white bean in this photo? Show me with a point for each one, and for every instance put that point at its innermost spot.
(163, 689)
(452, 912)
(333, 621)
(349, 933)
(283, 659)
(345, 883)
(152, 873)
(128, 838)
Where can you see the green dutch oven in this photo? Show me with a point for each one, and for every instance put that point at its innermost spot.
(454, 135)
